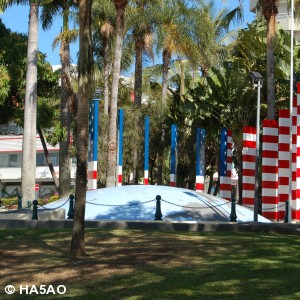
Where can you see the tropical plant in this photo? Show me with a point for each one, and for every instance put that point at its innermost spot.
(4, 83)
(29, 144)
(13, 65)
(68, 97)
(269, 9)
(85, 90)
(103, 15)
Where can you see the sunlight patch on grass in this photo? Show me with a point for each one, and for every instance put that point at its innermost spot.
(134, 264)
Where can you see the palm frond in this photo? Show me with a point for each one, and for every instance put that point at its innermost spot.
(4, 4)
(68, 36)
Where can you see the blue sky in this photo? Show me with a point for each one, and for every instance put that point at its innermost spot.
(16, 19)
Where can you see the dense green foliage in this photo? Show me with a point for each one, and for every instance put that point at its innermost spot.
(208, 82)
(12, 84)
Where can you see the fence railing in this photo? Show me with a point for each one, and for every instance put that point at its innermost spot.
(157, 215)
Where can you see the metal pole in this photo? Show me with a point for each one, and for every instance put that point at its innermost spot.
(257, 152)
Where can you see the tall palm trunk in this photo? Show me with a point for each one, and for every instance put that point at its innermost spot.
(165, 80)
(112, 133)
(65, 114)
(269, 11)
(165, 75)
(106, 64)
(30, 112)
(271, 25)
(47, 156)
(85, 80)
(138, 82)
(138, 75)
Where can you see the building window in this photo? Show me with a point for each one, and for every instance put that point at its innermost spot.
(54, 158)
(40, 159)
(4, 158)
(13, 160)
(42, 162)
(9, 160)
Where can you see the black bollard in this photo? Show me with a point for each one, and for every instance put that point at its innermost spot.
(158, 213)
(19, 201)
(34, 210)
(286, 215)
(71, 207)
(233, 216)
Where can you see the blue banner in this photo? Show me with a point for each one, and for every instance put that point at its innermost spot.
(223, 153)
(93, 130)
(200, 152)
(173, 148)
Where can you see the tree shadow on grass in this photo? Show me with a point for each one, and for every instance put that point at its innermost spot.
(154, 265)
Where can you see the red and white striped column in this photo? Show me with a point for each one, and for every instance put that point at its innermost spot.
(270, 169)
(294, 143)
(92, 175)
(225, 181)
(249, 155)
(120, 175)
(294, 156)
(296, 206)
(283, 160)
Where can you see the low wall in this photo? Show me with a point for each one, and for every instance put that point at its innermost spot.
(281, 228)
(26, 214)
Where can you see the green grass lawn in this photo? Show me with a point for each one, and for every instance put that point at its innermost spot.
(152, 265)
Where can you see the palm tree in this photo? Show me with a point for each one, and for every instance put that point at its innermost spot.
(211, 36)
(170, 14)
(30, 111)
(103, 15)
(112, 138)
(50, 9)
(269, 9)
(85, 82)
(140, 22)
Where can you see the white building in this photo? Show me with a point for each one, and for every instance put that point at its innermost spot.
(11, 139)
(283, 18)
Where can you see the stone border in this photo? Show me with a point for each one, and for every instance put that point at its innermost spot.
(188, 226)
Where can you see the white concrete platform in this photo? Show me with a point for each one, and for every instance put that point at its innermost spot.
(137, 202)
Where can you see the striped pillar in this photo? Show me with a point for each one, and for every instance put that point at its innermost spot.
(93, 144)
(146, 155)
(225, 164)
(297, 202)
(200, 159)
(283, 160)
(270, 169)
(249, 155)
(294, 156)
(120, 146)
(173, 155)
